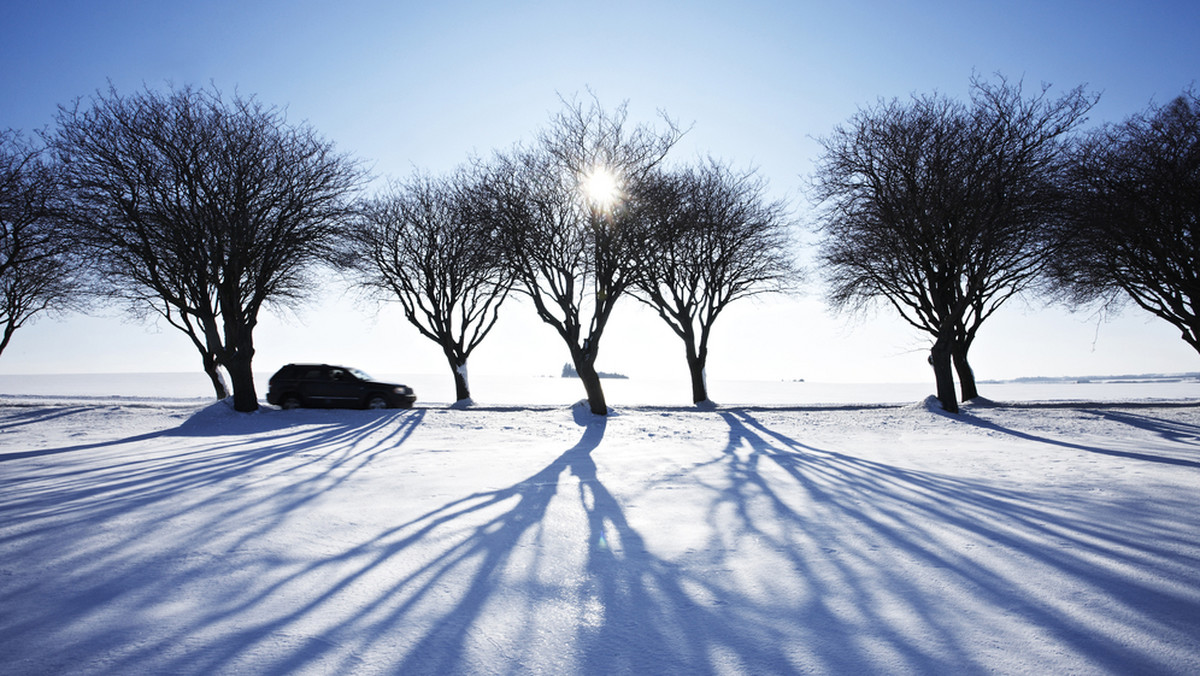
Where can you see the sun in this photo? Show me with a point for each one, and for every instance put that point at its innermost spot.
(601, 187)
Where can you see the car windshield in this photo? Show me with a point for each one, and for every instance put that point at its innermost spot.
(360, 374)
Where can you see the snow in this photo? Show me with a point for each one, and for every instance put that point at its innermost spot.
(509, 390)
(172, 535)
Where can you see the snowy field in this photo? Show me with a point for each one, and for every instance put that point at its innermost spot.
(151, 532)
(438, 389)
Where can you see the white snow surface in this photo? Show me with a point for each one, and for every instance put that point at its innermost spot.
(180, 537)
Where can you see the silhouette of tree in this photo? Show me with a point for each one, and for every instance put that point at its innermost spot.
(941, 210)
(203, 210)
(424, 245)
(1134, 227)
(39, 268)
(566, 213)
(714, 237)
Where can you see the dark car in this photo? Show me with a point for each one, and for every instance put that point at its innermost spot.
(325, 386)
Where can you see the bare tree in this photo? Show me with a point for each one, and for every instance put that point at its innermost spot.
(942, 210)
(203, 210)
(39, 265)
(569, 225)
(1134, 228)
(424, 245)
(714, 237)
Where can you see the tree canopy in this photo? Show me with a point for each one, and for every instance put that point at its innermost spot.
(424, 244)
(942, 209)
(202, 210)
(40, 266)
(713, 237)
(573, 249)
(1134, 227)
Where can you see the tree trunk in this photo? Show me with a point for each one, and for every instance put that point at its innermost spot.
(245, 399)
(462, 388)
(966, 377)
(943, 373)
(241, 375)
(699, 386)
(591, 384)
(213, 369)
(696, 361)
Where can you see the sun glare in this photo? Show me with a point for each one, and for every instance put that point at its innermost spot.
(601, 187)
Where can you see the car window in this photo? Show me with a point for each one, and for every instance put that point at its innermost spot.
(360, 374)
(314, 374)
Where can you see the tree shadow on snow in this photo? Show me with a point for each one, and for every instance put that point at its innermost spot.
(631, 612)
(204, 508)
(813, 560)
(817, 532)
(1174, 431)
(917, 572)
(508, 565)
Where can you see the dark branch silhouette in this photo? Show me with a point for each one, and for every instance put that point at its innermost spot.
(424, 245)
(575, 251)
(942, 210)
(203, 210)
(1133, 233)
(39, 263)
(714, 237)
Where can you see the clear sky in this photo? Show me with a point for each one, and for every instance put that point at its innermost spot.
(422, 85)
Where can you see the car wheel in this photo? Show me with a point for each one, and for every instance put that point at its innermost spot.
(289, 402)
(376, 402)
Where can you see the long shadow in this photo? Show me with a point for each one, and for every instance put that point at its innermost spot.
(454, 588)
(21, 455)
(811, 545)
(216, 419)
(68, 516)
(143, 482)
(577, 556)
(1170, 430)
(1175, 431)
(500, 567)
(637, 613)
(928, 518)
(657, 616)
(39, 415)
(490, 548)
(130, 483)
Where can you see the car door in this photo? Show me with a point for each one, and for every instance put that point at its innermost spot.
(343, 389)
(317, 388)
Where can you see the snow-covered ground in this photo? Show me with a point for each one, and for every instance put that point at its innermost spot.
(173, 536)
(438, 389)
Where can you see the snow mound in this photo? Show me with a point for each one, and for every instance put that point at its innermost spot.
(932, 404)
(581, 411)
(220, 417)
(979, 402)
(929, 404)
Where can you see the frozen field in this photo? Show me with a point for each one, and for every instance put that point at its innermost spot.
(438, 389)
(167, 535)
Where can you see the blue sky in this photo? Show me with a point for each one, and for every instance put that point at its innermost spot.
(407, 85)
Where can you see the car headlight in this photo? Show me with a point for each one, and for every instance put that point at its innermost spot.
(403, 390)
